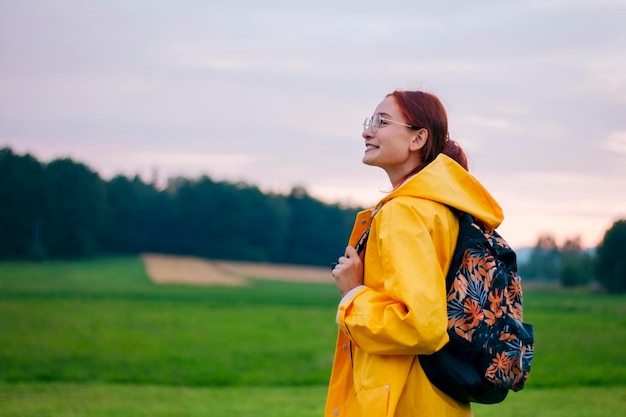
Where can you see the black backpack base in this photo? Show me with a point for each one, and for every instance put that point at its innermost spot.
(453, 371)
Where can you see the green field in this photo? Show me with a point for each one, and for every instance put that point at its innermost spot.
(97, 338)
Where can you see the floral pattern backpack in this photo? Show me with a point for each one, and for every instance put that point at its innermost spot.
(491, 349)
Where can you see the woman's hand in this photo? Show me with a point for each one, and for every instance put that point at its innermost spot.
(348, 272)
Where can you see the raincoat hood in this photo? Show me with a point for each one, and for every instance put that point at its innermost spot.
(447, 182)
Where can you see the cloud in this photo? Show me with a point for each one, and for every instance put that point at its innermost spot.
(220, 64)
(488, 122)
(616, 143)
(171, 164)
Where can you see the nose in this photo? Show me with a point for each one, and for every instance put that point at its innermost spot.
(367, 133)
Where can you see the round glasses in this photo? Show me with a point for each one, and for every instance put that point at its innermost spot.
(375, 121)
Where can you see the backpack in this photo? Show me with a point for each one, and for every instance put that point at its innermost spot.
(490, 350)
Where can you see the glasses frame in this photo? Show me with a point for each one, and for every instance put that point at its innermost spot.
(368, 123)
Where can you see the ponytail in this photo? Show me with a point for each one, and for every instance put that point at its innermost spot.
(454, 151)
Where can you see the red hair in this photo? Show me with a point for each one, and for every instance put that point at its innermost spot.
(425, 110)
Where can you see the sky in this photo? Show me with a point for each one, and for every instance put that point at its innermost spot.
(274, 93)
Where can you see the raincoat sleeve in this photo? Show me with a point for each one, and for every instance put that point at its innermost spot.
(401, 310)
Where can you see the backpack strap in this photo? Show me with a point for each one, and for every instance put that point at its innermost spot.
(468, 235)
(360, 245)
(362, 242)
(464, 223)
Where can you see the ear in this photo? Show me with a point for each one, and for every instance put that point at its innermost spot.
(419, 140)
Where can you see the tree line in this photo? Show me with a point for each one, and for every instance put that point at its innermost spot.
(63, 209)
(572, 265)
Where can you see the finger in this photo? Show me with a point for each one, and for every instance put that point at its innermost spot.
(351, 252)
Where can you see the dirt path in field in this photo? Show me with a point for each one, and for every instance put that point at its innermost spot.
(164, 269)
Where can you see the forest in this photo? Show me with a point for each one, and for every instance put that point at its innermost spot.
(64, 210)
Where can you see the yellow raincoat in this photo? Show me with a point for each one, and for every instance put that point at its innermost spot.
(400, 311)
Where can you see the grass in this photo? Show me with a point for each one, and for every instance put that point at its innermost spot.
(168, 343)
(114, 325)
(99, 400)
(579, 339)
(97, 338)
(559, 402)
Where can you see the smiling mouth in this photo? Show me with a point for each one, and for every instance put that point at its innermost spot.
(369, 146)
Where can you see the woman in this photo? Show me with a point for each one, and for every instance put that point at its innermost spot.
(393, 304)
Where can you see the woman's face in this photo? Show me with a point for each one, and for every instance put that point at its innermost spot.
(393, 147)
